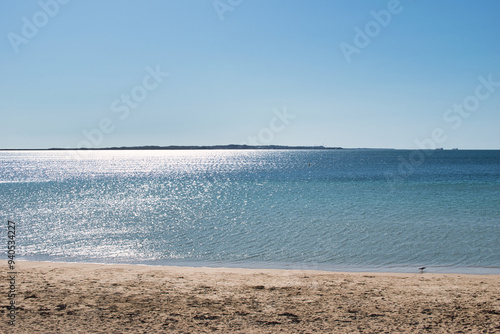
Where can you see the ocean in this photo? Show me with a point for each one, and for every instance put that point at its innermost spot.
(339, 210)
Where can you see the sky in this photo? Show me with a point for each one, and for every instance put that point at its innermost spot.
(349, 73)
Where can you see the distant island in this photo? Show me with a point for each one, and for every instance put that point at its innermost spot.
(177, 147)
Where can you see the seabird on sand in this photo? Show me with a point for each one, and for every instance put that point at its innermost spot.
(422, 269)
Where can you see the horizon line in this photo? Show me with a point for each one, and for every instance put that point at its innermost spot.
(233, 147)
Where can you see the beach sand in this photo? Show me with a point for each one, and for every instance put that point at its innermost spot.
(93, 298)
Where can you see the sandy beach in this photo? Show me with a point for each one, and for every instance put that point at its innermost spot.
(94, 298)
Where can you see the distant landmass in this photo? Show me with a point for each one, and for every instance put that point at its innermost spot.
(177, 147)
(214, 147)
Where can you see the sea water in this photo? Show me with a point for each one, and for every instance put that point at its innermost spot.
(357, 210)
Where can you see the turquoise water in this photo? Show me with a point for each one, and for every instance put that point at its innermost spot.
(382, 210)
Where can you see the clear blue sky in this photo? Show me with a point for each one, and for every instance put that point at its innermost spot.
(233, 66)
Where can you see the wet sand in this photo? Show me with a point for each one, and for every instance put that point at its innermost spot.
(93, 298)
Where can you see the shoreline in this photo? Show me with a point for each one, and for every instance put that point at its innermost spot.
(397, 269)
(249, 270)
(128, 298)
